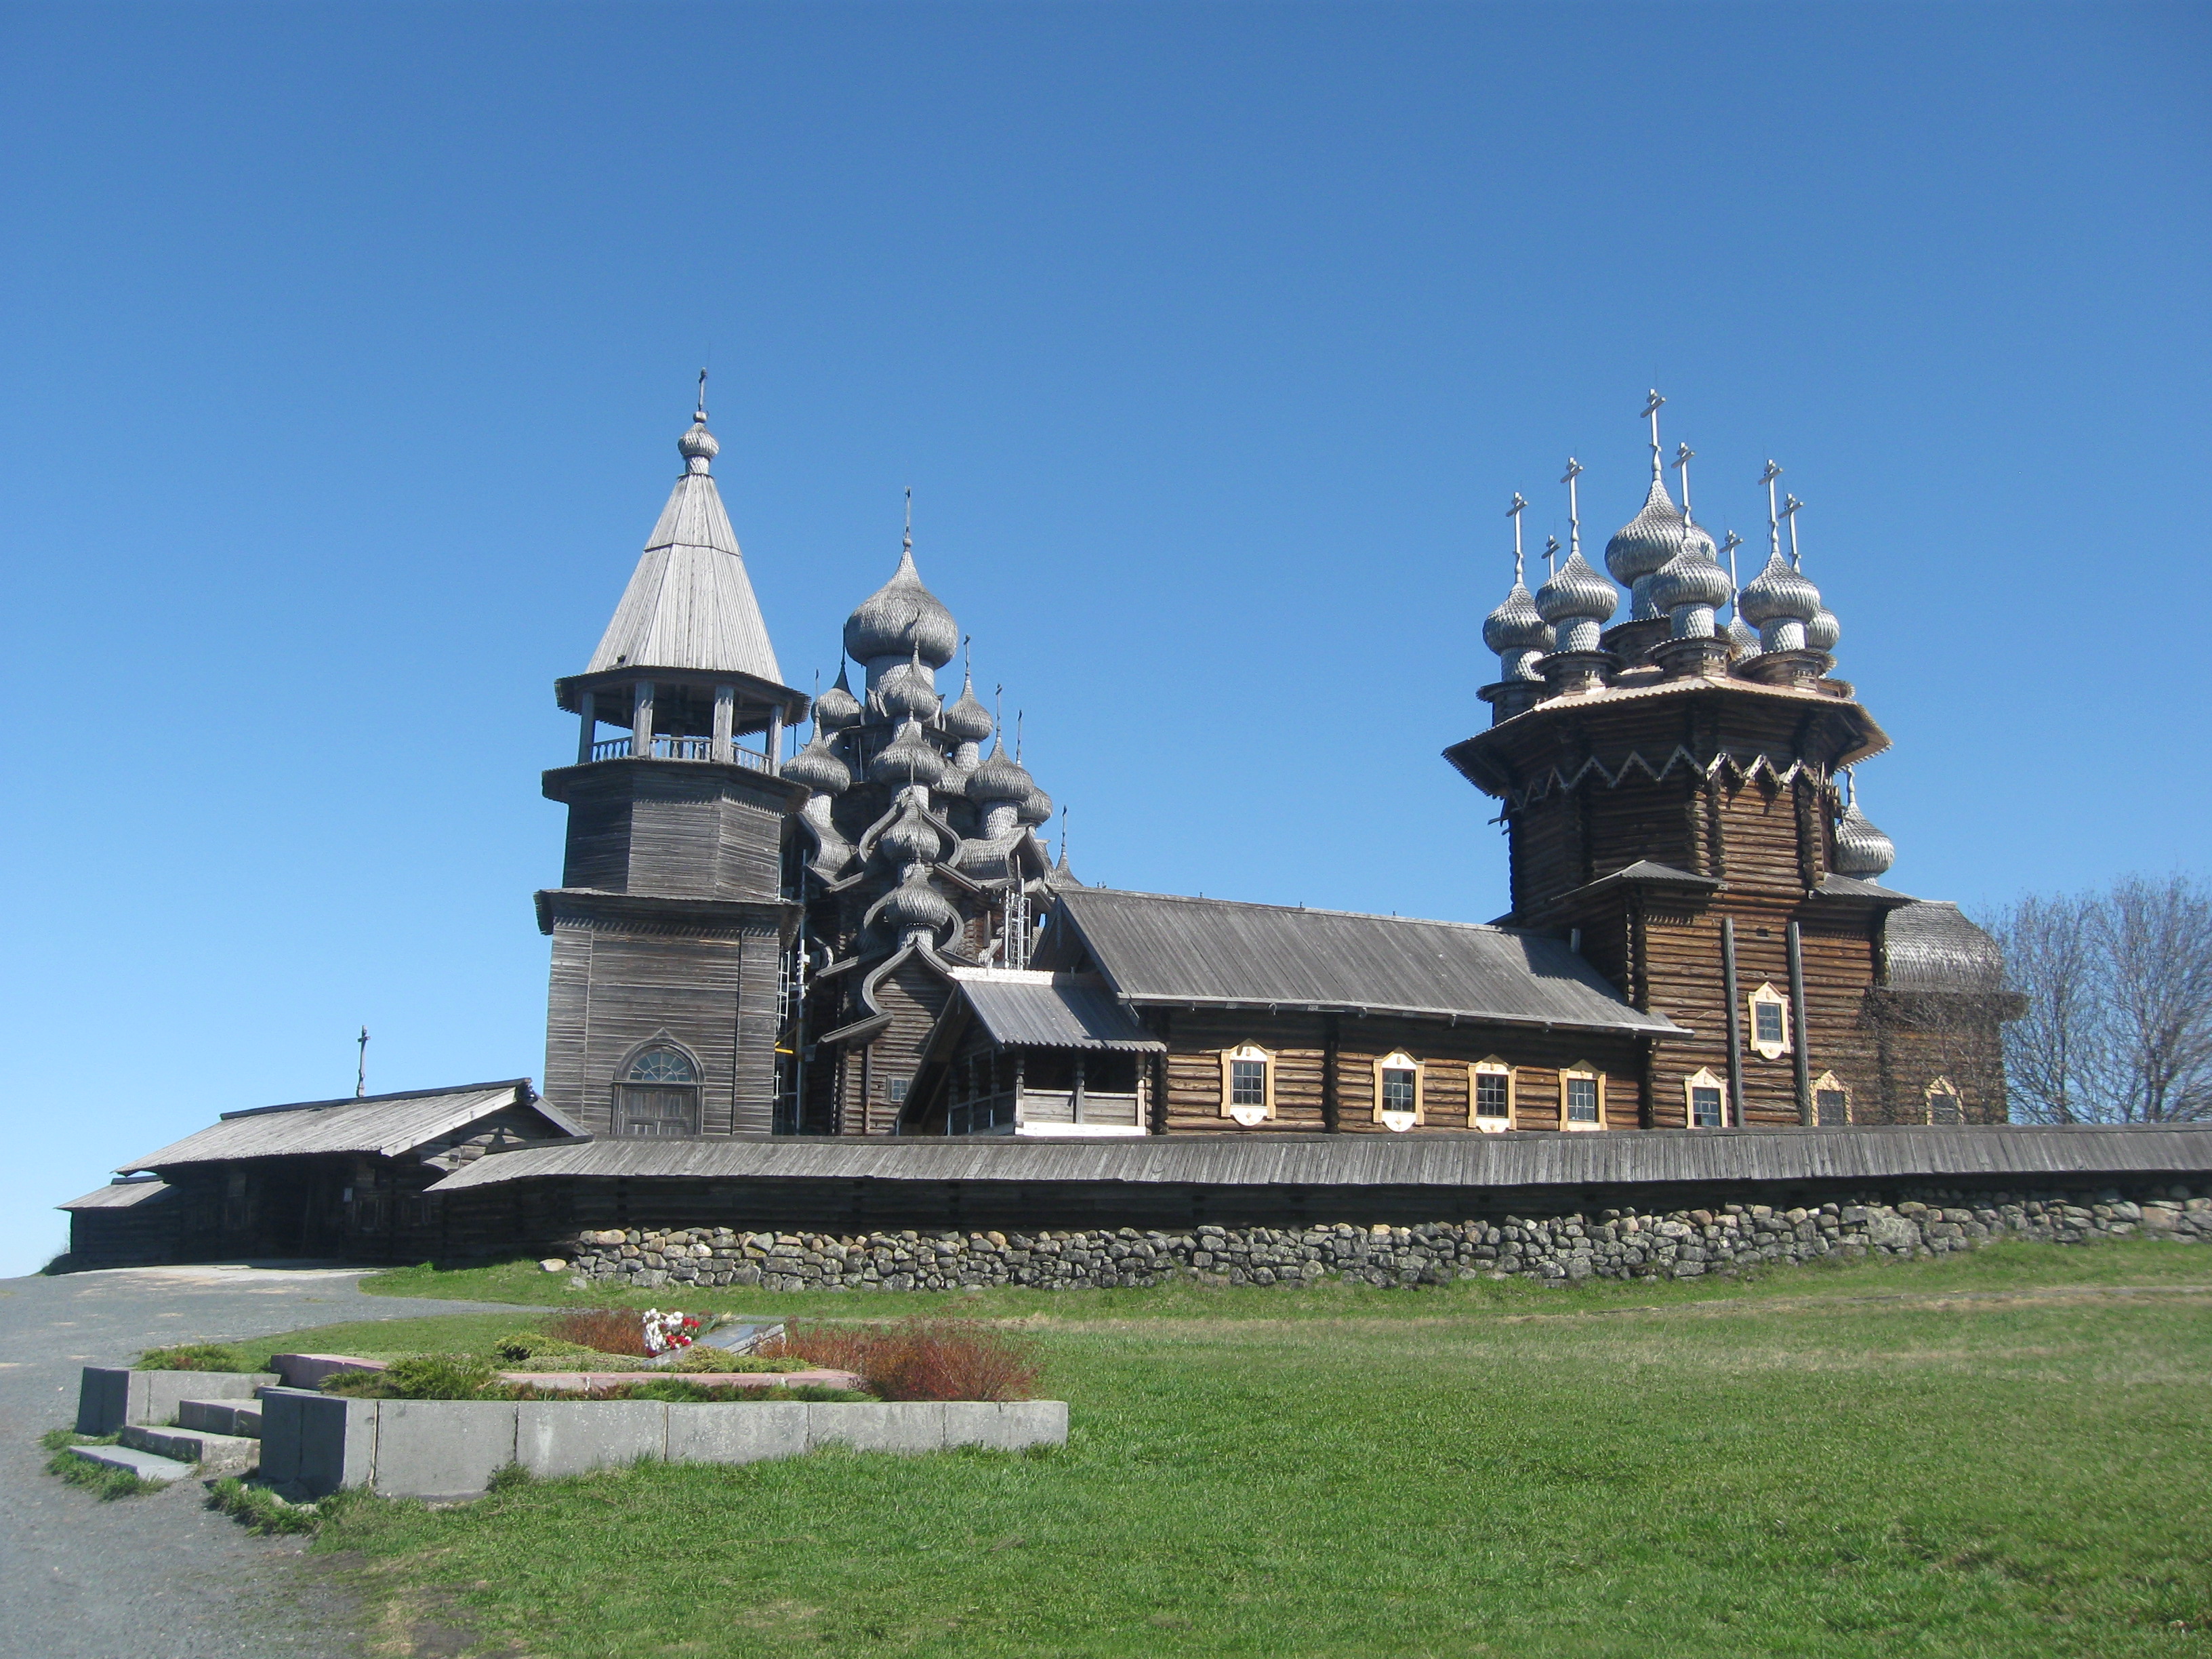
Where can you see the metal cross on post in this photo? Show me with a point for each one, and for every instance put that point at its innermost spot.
(360, 1066)
(1652, 401)
(1728, 546)
(1574, 507)
(1551, 556)
(1789, 506)
(1773, 522)
(700, 414)
(1683, 456)
(1514, 513)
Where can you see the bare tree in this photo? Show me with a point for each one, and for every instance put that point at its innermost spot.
(2118, 988)
(2156, 940)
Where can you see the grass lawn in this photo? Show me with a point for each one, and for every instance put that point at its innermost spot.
(2004, 1453)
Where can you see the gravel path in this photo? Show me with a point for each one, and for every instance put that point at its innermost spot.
(158, 1576)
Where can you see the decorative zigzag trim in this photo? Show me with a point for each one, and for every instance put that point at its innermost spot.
(1558, 780)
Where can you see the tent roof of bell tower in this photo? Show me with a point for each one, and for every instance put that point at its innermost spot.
(690, 604)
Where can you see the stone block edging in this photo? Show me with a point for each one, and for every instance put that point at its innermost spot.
(111, 1396)
(313, 1443)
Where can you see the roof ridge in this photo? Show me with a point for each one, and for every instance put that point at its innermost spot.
(371, 1100)
(1300, 909)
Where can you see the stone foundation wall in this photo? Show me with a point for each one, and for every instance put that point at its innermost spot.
(1608, 1243)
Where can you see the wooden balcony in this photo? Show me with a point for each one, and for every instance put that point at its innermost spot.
(1046, 1112)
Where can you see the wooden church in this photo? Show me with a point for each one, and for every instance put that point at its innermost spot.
(870, 938)
(861, 937)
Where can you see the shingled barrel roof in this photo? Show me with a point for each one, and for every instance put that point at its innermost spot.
(1154, 948)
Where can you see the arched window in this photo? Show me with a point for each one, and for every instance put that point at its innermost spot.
(1703, 1101)
(659, 1093)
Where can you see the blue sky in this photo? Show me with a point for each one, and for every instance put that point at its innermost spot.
(346, 348)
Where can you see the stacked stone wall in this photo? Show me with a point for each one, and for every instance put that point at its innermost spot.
(1605, 1243)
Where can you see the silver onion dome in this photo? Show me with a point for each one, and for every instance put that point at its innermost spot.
(697, 445)
(912, 839)
(1693, 578)
(1035, 807)
(1861, 850)
(999, 776)
(1576, 594)
(1640, 548)
(1743, 637)
(966, 721)
(1515, 625)
(819, 766)
(1577, 602)
(902, 618)
(1823, 631)
(906, 689)
(1779, 602)
(837, 708)
(910, 757)
(913, 905)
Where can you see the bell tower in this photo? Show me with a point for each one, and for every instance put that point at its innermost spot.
(670, 922)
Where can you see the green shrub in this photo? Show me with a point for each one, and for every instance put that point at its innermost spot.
(194, 1357)
(516, 1346)
(419, 1377)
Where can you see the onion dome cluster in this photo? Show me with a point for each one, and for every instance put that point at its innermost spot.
(1577, 602)
(912, 838)
(902, 618)
(1516, 633)
(1781, 603)
(1644, 546)
(1690, 586)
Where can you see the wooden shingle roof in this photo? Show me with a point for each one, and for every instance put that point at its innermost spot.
(2031, 1155)
(383, 1125)
(1158, 949)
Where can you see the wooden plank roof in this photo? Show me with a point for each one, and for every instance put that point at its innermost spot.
(1157, 948)
(690, 604)
(118, 1196)
(2029, 1154)
(384, 1125)
(1020, 1009)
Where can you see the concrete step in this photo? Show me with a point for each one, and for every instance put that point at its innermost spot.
(147, 1466)
(220, 1416)
(215, 1454)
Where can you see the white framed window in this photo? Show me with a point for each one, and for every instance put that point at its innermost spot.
(1769, 1016)
(1944, 1106)
(1398, 1104)
(1247, 1085)
(1490, 1096)
(1832, 1102)
(1705, 1100)
(1581, 1098)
